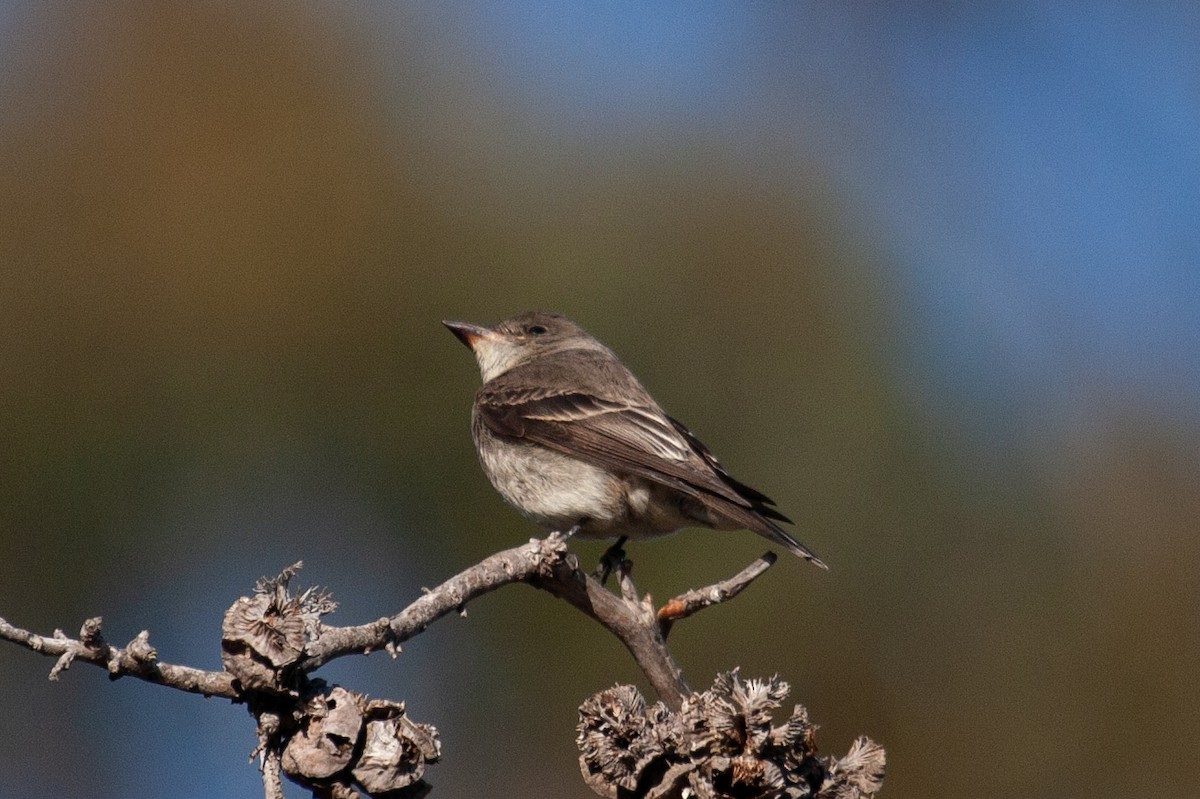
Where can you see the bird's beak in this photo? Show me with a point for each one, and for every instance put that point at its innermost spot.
(468, 333)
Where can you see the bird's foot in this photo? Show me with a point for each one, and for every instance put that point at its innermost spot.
(611, 560)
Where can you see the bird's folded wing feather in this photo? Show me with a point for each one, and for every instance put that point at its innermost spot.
(635, 438)
(758, 500)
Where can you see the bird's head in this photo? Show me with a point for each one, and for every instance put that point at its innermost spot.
(521, 339)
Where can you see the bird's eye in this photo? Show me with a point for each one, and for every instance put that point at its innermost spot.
(535, 330)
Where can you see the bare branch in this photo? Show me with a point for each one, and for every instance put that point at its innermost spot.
(137, 659)
(545, 564)
(510, 566)
(272, 784)
(339, 744)
(698, 599)
(631, 620)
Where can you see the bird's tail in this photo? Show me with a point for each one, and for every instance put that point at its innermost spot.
(773, 532)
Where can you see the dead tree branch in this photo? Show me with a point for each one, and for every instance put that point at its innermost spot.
(698, 599)
(339, 744)
(136, 659)
(510, 566)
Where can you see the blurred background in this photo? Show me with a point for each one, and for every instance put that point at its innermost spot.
(926, 273)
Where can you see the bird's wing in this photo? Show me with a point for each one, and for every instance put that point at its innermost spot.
(758, 500)
(626, 436)
(632, 436)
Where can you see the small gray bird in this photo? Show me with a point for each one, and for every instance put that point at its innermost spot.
(570, 438)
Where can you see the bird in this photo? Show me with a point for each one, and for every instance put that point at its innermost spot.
(571, 439)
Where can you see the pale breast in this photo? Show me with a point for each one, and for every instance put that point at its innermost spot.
(551, 489)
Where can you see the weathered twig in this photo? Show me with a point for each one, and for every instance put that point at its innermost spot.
(336, 742)
(272, 784)
(510, 566)
(546, 564)
(136, 659)
(629, 618)
(698, 599)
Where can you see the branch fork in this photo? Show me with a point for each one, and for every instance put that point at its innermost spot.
(340, 744)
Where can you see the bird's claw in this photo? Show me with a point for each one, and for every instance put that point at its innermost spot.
(611, 560)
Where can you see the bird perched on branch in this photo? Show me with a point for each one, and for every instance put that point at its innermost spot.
(569, 437)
